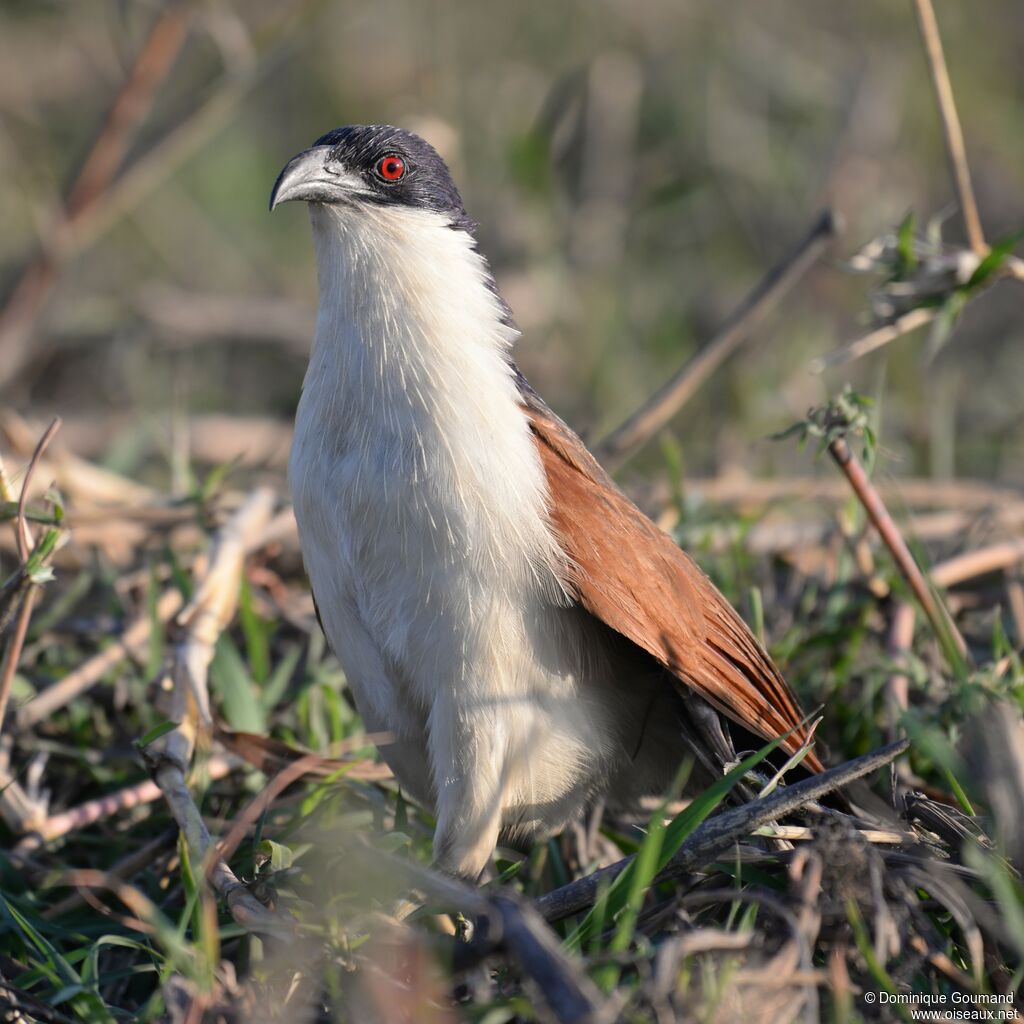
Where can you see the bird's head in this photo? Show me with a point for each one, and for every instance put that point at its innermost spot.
(374, 167)
(383, 206)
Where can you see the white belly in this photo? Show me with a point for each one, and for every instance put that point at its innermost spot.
(422, 512)
(461, 650)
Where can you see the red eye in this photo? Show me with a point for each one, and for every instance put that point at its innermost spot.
(391, 167)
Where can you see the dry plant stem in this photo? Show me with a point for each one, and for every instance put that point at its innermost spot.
(244, 907)
(571, 995)
(717, 834)
(901, 639)
(89, 673)
(23, 534)
(207, 614)
(672, 396)
(128, 111)
(124, 868)
(12, 652)
(893, 539)
(91, 811)
(250, 814)
(875, 339)
(514, 926)
(144, 174)
(950, 124)
(977, 563)
(213, 604)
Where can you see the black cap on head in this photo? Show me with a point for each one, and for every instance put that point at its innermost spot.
(390, 165)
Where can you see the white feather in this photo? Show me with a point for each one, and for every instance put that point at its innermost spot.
(422, 510)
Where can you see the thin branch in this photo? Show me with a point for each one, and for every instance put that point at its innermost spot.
(12, 652)
(88, 813)
(850, 465)
(898, 646)
(124, 868)
(129, 109)
(716, 835)
(972, 564)
(206, 616)
(950, 124)
(23, 534)
(639, 428)
(251, 812)
(244, 907)
(132, 104)
(512, 925)
(90, 672)
(875, 339)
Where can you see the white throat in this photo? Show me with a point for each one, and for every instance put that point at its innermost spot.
(422, 507)
(410, 369)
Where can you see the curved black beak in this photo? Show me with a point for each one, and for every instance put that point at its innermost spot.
(312, 178)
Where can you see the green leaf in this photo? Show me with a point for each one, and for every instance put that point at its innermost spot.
(215, 479)
(88, 1005)
(155, 733)
(993, 261)
(905, 245)
(155, 643)
(279, 857)
(621, 889)
(274, 687)
(256, 632)
(233, 684)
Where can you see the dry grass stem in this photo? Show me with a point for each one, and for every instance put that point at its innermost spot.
(205, 617)
(677, 391)
(901, 639)
(129, 109)
(717, 834)
(972, 564)
(875, 339)
(951, 129)
(893, 539)
(92, 811)
(90, 672)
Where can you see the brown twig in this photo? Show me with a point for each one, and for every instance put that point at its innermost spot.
(851, 468)
(875, 339)
(950, 124)
(252, 811)
(12, 652)
(901, 639)
(23, 536)
(673, 395)
(89, 673)
(129, 109)
(206, 616)
(136, 861)
(88, 813)
(972, 564)
(146, 912)
(717, 834)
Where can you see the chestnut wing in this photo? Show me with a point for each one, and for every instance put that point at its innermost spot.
(633, 577)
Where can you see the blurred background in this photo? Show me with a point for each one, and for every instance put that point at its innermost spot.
(635, 168)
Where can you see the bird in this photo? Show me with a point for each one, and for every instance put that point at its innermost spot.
(528, 641)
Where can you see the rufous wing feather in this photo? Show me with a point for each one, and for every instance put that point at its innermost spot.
(633, 577)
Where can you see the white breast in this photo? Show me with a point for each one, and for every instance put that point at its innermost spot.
(421, 504)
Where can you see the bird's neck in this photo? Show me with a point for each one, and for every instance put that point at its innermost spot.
(410, 328)
(411, 384)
